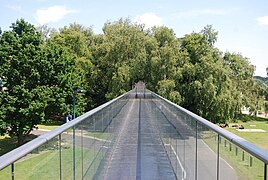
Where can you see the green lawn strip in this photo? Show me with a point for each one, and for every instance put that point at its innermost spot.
(7, 143)
(45, 165)
(258, 138)
(243, 168)
(49, 126)
(235, 157)
(100, 135)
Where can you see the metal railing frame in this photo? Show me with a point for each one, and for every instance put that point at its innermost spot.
(18, 153)
(247, 146)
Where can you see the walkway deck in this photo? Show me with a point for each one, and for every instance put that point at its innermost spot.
(138, 152)
(146, 137)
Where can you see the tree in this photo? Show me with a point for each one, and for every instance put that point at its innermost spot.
(206, 79)
(210, 34)
(241, 74)
(24, 101)
(120, 57)
(40, 80)
(63, 77)
(165, 58)
(76, 40)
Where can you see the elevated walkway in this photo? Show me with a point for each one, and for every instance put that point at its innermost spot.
(138, 135)
(138, 152)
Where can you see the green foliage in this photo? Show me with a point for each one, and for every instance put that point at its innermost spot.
(262, 85)
(63, 78)
(42, 68)
(262, 80)
(166, 88)
(40, 80)
(25, 99)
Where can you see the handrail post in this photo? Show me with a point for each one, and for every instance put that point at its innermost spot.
(60, 157)
(196, 134)
(12, 171)
(218, 158)
(136, 92)
(74, 164)
(82, 153)
(265, 171)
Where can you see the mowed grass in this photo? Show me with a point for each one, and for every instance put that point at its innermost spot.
(44, 162)
(100, 135)
(245, 165)
(50, 126)
(46, 165)
(8, 144)
(258, 138)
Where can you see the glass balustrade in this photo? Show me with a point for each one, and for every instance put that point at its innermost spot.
(184, 144)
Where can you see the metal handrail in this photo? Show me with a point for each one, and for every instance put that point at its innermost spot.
(16, 154)
(249, 147)
(23, 150)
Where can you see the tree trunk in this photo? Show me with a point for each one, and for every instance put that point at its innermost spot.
(20, 135)
(20, 138)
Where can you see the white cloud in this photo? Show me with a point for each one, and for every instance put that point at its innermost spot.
(200, 12)
(149, 19)
(15, 8)
(52, 14)
(263, 20)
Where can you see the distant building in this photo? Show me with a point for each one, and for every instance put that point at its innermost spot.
(267, 71)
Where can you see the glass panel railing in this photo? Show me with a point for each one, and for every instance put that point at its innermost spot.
(205, 151)
(67, 154)
(88, 141)
(240, 163)
(41, 163)
(75, 150)
(160, 136)
(6, 173)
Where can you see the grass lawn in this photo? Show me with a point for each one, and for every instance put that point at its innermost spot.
(47, 127)
(50, 126)
(46, 165)
(7, 143)
(246, 166)
(258, 138)
(100, 135)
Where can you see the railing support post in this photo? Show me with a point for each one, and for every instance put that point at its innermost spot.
(196, 150)
(218, 158)
(265, 171)
(74, 164)
(12, 171)
(60, 157)
(82, 152)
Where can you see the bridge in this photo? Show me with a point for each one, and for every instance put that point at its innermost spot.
(138, 135)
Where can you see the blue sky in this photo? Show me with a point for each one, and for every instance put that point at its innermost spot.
(242, 24)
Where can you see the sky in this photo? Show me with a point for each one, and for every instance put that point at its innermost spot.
(242, 25)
